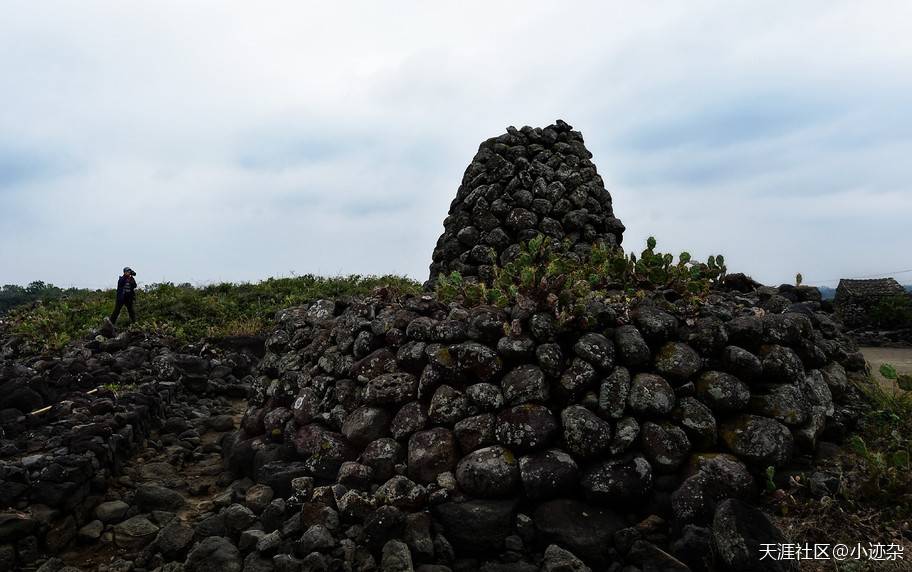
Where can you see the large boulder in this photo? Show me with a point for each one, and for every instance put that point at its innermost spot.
(585, 530)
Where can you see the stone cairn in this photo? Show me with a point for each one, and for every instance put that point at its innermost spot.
(404, 433)
(524, 183)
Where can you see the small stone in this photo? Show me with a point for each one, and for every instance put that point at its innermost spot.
(585, 433)
(431, 452)
(548, 474)
(134, 533)
(525, 427)
(150, 497)
(447, 406)
(740, 532)
(258, 497)
(317, 537)
(758, 440)
(723, 392)
(650, 394)
(214, 554)
(525, 383)
(613, 393)
(111, 511)
(595, 349)
(396, 557)
(633, 351)
(91, 531)
(664, 445)
(677, 361)
(489, 472)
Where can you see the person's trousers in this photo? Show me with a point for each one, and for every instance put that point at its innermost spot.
(120, 304)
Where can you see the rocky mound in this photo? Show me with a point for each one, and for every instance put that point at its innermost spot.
(71, 421)
(409, 433)
(405, 433)
(475, 434)
(524, 183)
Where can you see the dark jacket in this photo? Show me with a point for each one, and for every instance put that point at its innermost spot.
(126, 289)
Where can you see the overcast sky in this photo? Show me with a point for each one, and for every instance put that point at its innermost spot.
(211, 141)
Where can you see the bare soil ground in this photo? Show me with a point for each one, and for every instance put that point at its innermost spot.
(900, 358)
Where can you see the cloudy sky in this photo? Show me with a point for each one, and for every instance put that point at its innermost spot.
(207, 141)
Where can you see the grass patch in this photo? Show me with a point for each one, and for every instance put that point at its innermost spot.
(874, 503)
(190, 313)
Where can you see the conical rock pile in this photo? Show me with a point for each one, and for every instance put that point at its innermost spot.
(520, 184)
(408, 432)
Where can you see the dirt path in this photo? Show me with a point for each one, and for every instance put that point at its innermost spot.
(900, 358)
(163, 461)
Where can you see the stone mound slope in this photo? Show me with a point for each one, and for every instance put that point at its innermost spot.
(411, 434)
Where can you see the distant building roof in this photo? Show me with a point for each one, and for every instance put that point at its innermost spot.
(874, 288)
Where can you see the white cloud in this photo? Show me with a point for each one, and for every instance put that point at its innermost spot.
(228, 141)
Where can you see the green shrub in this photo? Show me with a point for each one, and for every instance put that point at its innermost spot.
(12, 295)
(884, 439)
(893, 311)
(190, 313)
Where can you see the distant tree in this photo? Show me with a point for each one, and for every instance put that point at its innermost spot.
(13, 295)
(893, 312)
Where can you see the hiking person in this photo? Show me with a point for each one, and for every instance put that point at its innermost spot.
(126, 294)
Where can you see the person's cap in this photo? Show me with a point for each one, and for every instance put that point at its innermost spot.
(130, 270)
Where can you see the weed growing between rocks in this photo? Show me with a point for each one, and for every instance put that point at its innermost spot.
(547, 276)
(861, 492)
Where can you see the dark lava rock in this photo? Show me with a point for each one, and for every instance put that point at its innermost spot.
(717, 477)
(650, 395)
(723, 392)
(782, 365)
(429, 453)
(784, 403)
(489, 472)
(525, 427)
(632, 349)
(677, 361)
(585, 433)
(613, 393)
(391, 388)
(664, 445)
(382, 456)
(740, 532)
(548, 474)
(214, 554)
(154, 497)
(742, 363)
(620, 482)
(585, 530)
(524, 384)
(758, 440)
(410, 418)
(595, 349)
(475, 432)
(477, 526)
(697, 421)
(366, 424)
(655, 325)
(447, 406)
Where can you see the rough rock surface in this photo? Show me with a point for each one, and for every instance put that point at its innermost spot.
(519, 184)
